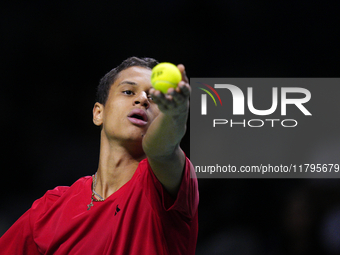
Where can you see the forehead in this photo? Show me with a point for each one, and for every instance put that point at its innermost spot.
(136, 74)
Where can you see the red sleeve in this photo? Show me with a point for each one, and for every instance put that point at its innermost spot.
(186, 201)
(18, 240)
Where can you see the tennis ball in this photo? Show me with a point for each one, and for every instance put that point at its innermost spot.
(165, 76)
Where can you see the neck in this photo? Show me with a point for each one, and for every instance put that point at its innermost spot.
(116, 167)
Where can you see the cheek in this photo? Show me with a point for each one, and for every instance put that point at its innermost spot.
(113, 114)
(116, 106)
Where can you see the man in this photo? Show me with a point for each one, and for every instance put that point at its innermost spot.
(142, 199)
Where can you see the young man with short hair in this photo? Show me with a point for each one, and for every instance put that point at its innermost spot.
(143, 198)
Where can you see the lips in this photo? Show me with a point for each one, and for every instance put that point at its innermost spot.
(138, 117)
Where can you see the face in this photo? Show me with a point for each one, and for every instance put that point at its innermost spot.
(129, 109)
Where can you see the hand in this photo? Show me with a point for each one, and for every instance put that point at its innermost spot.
(176, 101)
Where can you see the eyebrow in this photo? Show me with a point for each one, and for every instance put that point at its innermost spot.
(127, 82)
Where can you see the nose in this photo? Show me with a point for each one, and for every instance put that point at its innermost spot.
(142, 99)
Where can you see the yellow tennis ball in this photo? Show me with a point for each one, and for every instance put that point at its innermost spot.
(165, 76)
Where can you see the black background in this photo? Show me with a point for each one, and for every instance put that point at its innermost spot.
(54, 53)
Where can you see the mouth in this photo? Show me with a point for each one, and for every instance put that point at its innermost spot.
(138, 117)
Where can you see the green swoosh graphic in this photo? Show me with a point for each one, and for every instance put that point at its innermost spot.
(209, 95)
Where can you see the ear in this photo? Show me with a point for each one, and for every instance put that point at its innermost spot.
(98, 110)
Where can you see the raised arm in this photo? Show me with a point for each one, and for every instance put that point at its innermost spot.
(161, 142)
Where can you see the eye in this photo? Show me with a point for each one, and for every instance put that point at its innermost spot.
(128, 92)
(150, 97)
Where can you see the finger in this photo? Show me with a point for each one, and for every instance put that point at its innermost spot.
(164, 101)
(181, 93)
(170, 93)
(181, 68)
(184, 88)
(156, 95)
(176, 95)
(152, 91)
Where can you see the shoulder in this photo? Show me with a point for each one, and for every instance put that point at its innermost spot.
(50, 197)
(42, 204)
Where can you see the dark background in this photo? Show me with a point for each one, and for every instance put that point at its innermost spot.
(54, 53)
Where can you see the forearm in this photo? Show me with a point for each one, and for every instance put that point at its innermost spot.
(164, 135)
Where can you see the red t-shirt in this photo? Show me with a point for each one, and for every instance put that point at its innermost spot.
(140, 218)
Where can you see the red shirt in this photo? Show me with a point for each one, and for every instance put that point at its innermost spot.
(140, 218)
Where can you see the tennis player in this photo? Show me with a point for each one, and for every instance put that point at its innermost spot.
(143, 197)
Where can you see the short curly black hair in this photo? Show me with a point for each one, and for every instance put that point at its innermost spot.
(109, 78)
